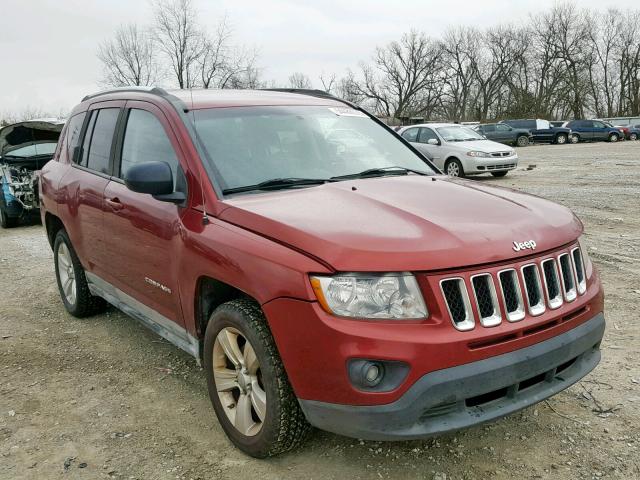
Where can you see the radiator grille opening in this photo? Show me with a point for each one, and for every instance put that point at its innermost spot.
(457, 299)
(576, 253)
(511, 295)
(533, 289)
(566, 272)
(530, 382)
(552, 283)
(486, 397)
(486, 300)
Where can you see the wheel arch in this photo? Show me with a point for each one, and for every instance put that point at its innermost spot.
(52, 225)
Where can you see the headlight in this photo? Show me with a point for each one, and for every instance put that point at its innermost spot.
(584, 249)
(393, 295)
(477, 154)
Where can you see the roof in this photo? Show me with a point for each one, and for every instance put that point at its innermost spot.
(434, 125)
(212, 98)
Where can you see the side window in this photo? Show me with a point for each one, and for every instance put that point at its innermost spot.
(598, 125)
(491, 128)
(502, 128)
(145, 140)
(74, 128)
(87, 139)
(427, 134)
(102, 139)
(410, 135)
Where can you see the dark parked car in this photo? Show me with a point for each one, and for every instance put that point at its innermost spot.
(542, 131)
(24, 148)
(629, 131)
(594, 131)
(499, 132)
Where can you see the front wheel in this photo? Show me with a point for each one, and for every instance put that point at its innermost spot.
(613, 137)
(574, 139)
(5, 220)
(453, 168)
(561, 139)
(633, 136)
(247, 383)
(522, 141)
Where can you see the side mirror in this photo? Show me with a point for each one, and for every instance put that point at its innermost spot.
(155, 179)
(433, 141)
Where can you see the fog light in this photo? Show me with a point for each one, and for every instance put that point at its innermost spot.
(372, 373)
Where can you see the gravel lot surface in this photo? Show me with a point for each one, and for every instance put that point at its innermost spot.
(105, 398)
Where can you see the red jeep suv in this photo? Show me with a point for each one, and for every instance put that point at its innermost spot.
(320, 268)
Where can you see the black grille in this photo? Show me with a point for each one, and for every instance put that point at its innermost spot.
(483, 295)
(530, 280)
(577, 260)
(455, 302)
(508, 283)
(567, 274)
(551, 278)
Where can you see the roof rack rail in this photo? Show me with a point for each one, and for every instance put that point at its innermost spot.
(303, 91)
(153, 90)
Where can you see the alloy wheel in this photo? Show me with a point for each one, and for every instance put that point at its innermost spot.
(66, 273)
(633, 136)
(561, 139)
(453, 170)
(613, 138)
(238, 381)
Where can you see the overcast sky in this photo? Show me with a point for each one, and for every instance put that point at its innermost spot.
(48, 47)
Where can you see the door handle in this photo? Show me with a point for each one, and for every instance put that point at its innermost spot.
(114, 203)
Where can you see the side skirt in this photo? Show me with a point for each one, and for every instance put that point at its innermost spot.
(166, 328)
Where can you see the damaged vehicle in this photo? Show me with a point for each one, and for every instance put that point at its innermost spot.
(24, 149)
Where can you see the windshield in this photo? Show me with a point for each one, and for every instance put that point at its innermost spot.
(33, 150)
(250, 145)
(458, 134)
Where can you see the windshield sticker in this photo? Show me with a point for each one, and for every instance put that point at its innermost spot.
(347, 112)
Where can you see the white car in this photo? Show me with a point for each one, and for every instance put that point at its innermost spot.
(460, 151)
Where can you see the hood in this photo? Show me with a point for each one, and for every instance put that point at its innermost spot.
(27, 133)
(487, 146)
(410, 223)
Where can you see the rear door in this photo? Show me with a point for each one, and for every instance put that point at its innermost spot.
(144, 234)
(84, 183)
(600, 131)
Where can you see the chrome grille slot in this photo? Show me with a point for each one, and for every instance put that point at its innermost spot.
(533, 289)
(552, 283)
(566, 274)
(579, 270)
(511, 296)
(484, 292)
(457, 300)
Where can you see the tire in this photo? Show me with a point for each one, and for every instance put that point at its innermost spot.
(613, 137)
(522, 141)
(561, 139)
(633, 136)
(5, 220)
(453, 168)
(241, 324)
(76, 297)
(574, 139)
(499, 174)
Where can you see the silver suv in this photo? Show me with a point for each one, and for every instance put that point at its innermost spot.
(461, 151)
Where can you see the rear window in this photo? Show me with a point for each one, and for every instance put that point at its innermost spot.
(99, 139)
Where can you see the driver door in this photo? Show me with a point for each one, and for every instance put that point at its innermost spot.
(142, 234)
(433, 149)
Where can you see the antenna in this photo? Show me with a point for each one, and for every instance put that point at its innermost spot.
(205, 217)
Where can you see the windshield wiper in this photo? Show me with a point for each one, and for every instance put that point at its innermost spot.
(277, 184)
(380, 172)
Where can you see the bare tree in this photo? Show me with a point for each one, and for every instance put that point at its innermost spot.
(328, 82)
(129, 58)
(299, 80)
(398, 81)
(180, 38)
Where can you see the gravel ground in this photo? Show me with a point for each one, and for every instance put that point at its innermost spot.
(105, 398)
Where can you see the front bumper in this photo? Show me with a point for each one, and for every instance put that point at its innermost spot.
(469, 394)
(491, 164)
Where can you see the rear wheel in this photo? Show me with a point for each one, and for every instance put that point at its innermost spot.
(247, 383)
(561, 139)
(633, 136)
(522, 141)
(5, 220)
(499, 174)
(453, 168)
(613, 137)
(72, 283)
